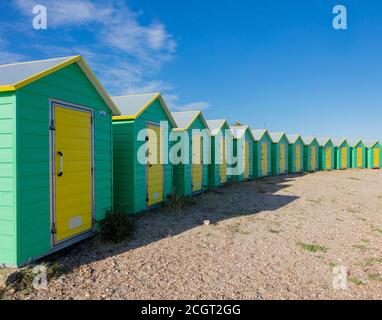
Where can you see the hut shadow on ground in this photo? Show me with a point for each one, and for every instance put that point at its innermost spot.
(233, 200)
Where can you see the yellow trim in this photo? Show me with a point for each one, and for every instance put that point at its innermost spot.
(39, 75)
(132, 117)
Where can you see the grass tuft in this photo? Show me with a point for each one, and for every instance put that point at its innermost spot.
(312, 247)
(177, 202)
(116, 226)
(355, 281)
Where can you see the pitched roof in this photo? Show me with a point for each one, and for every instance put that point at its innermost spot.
(323, 141)
(17, 75)
(338, 141)
(133, 105)
(371, 143)
(216, 125)
(239, 131)
(258, 133)
(277, 136)
(293, 137)
(354, 142)
(184, 119)
(308, 140)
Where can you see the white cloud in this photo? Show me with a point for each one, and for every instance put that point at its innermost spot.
(172, 101)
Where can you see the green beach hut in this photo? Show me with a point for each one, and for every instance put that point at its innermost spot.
(55, 156)
(262, 153)
(145, 124)
(243, 141)
(217, 172)
(193, 135)
(280, 145)
(311, 154)
(358, 154)
(341, 154)
(373, 152)
(326, 154)
(295, 153)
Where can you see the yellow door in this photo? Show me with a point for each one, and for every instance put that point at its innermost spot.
(154, 166)
(197, 167)
(376, 157)
(73, 172)
(328, 154)
(282, 158)
(264, 159)
(313, 157)
(246, 160)
(298, 158)
(359, 158)
(223, 163)
(344, 158)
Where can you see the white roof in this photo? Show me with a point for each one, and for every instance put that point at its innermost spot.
(323, 141)
(16, 72)
(17, 75)
(338, 141)
(215, 125)
(258, 133)
(184, 119)
(354, 142)
(293, 137)
(239, 131)
(133, 103)
(276, 136)
(308, 140)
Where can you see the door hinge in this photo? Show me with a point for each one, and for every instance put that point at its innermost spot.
(52, 127)
(54, 230)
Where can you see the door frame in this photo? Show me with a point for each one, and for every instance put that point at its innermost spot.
(52, 170)
(155, 124)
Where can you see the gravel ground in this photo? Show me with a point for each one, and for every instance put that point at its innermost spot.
(275, 238)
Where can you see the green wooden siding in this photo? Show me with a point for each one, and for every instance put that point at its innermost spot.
(72, 86)
(182, 180)
(292, 157)
(130, 175)
(308, 156)
(338, 156)
(248, 137)
(323, 157)
(8, 174)
(354, 155)
(276, 156)
(258, 172)
(370, 156)
(214, 168)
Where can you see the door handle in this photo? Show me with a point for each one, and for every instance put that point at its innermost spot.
(61, 163)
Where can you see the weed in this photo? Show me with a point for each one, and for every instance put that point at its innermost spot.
(351, 210)
(273, 231)
(355, 281)
(360, 247)
(375, 277)
(116, 226)
(376, 229)
(333, 265)
(353, 178)
(371, 261)
(177, 202)
(312, 247)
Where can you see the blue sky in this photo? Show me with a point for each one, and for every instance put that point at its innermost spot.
(278, 64)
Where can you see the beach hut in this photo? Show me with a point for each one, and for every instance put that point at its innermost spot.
(145, 124)
(243, 141)
(358, 154)
(217, 172)
(262, 153)
(373, 152)
(295, 154)
(326, 154)
(55, 156)
(280, 144)
(311, 154)
(192, 136)
(341, 154)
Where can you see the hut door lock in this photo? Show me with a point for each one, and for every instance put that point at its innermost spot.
(54, 231)
(61, 163)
